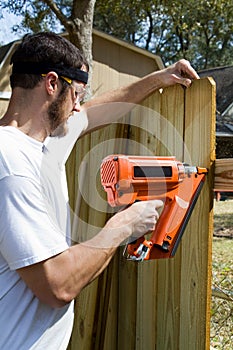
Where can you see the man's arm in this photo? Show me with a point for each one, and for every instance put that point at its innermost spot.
(58, 280)
(179, 73)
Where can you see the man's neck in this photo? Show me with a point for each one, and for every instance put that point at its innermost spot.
(30, 118)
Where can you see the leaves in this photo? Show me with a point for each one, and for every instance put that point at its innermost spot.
(200, 31)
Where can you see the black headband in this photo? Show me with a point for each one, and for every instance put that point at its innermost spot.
(44, 67)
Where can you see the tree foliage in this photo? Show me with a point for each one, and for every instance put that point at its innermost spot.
(74, 16)
(199, 30)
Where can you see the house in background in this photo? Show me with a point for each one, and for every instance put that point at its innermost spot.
(223, 77)
(115, 63)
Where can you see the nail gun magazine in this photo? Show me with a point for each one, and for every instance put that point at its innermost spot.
(127, 179)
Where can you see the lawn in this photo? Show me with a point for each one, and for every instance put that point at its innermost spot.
(222, 299)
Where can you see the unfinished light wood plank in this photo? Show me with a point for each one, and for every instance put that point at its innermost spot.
(102, 297)
(106, 315)
(162, 126)
(93, 305)
(172, 126)
(197, 242)
(223, 180)
(109, 336)
(168, 284)
(83, 329)
(111, 140)
(145, 132)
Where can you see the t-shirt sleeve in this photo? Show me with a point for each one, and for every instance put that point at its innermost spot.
(28, 232)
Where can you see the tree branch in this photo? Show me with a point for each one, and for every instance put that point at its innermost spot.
(62, 18)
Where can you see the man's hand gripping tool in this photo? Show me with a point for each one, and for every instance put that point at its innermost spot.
(127, 179)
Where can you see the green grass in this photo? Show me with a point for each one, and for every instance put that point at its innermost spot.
(222, 271)
(223, 215)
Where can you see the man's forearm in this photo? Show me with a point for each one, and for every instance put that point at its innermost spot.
(59, 279)
(127, 96)
(110, 106)
(132, 93)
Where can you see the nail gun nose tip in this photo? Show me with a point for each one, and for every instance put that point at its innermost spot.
(202, 170)
(190, 169)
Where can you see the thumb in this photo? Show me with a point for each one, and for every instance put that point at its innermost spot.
(157, 203)
(185, 81)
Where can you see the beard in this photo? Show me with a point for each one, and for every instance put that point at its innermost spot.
(58, 125)
(60, 131)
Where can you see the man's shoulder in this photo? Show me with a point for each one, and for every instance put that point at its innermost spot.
(16, 157)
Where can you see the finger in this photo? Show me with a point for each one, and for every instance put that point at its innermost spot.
(191, 71)
(187, 70)
(156, 216)
(157, 203)
(185, 82)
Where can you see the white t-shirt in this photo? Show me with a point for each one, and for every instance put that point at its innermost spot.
(34, 225)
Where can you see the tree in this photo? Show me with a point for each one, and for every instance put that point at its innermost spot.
(199, 30)
(74, 16)
(204, 31)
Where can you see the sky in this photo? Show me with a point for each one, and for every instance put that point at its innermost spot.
(6, 35)
(8, 21)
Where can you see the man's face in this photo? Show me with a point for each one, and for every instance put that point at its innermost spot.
(58, 114)
(62, 108)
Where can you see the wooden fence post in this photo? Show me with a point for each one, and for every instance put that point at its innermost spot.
(199, 139)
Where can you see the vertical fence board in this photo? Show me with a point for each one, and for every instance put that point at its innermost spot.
(196, 247)
(168, 293)
(148, 143)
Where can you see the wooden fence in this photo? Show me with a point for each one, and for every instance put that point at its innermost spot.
(223, 181)
(162, 304)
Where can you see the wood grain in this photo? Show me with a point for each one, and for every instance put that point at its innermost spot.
(223, 180)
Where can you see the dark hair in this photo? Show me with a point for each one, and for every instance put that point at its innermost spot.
(44, 47)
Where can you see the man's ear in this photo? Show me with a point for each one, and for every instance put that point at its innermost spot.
(51, 80)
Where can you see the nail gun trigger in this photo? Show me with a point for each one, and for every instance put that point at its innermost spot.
(142, 252)
(165, 246)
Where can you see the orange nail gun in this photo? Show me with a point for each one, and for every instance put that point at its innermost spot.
(127, 179)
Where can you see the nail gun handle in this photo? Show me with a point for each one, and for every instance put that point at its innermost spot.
(169, 223)
(173, 220)
(163, 236)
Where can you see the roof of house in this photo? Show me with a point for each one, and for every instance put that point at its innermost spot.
(3, 50)
(223, 77)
